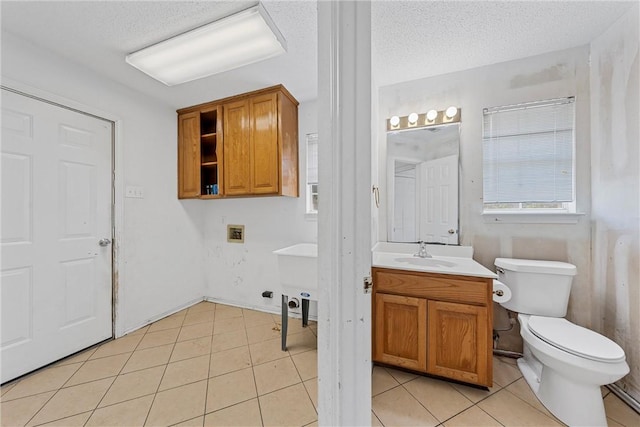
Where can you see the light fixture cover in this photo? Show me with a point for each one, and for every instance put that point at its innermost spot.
(451, 112)
(240, 39)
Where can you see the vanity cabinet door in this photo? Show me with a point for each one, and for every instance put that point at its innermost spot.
(400, 331)
(458, 342)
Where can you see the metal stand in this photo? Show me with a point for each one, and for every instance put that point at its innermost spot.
(285, 321)
(285, 318)
(305, 312)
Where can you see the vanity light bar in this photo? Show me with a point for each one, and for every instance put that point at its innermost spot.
(450, 115)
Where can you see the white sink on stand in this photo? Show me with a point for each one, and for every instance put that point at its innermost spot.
(298, 268)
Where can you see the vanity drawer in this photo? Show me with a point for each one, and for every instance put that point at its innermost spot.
(460, 289)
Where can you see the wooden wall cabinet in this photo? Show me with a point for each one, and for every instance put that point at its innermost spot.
(253, 150)
(433, 323)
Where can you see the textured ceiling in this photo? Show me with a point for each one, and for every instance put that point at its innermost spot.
(411, 39)
(427, 38)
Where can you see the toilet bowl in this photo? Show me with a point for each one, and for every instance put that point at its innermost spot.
(565, 365)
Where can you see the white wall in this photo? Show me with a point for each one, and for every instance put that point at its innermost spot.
(237, 273)
(558, 74)
(161, 252)
(615, 180)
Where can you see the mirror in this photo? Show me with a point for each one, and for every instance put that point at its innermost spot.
(422, 183)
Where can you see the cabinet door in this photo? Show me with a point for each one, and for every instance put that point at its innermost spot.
(458, 342)
(400, 331)
(189, 155)
(264, 144)
(237, 172)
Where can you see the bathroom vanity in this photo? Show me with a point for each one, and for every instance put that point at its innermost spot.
(433, 315)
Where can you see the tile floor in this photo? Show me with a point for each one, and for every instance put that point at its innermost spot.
(215, 365)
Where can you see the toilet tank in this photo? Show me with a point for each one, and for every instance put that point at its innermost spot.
(537, 287)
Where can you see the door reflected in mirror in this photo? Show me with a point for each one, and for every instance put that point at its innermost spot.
(422, 182)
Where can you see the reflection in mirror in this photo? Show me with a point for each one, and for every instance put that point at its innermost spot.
(422, 182)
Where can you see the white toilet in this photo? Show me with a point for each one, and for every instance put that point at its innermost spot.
(563, 363)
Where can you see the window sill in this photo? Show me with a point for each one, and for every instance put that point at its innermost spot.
(531, 217)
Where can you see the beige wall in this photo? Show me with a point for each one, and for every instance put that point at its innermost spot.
(615, 181)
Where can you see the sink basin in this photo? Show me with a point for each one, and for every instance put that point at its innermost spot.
(298, 268)
(427, 262)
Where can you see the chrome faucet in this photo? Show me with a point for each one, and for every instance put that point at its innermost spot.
(422, 252)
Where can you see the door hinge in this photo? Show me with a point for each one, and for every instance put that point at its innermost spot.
(368, 284)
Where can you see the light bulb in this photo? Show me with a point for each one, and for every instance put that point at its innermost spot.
(451, 112)
(413, 118)
(431, 115)
(395, 121)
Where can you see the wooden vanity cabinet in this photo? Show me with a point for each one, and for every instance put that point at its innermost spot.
(434, 323)
(401, 331)
(256, 146)
(459, 345)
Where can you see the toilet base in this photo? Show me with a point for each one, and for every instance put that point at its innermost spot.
(572, 403)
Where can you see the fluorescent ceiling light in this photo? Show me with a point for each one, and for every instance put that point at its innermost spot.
(240, 39)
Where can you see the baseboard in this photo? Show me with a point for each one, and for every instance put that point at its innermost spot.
(625, 397)
(271, 310)
(163, 315)
(507, 353)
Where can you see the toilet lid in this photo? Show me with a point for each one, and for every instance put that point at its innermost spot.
(575, 339)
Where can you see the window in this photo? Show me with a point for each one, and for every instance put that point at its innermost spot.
(312, 173)
(528, 157)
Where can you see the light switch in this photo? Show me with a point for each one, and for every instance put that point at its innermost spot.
(134, 192)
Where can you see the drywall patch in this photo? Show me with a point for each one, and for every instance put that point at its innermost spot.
(486, 248)
(553, 73)
(543, 249)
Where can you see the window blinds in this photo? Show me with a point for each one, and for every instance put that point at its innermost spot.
(312, 158)
(527, 152)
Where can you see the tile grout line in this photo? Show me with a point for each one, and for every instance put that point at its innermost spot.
(76, 371)
(432, 414)
(189, 358)
(419, 403)
(119, 373)
(253, 371)
(492, 417)
(206, 390)
(530, 405)
(164, 371)
(55, 391)
(302, 381)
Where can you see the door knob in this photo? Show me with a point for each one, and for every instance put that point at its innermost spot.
(104, 242)
(452, 231)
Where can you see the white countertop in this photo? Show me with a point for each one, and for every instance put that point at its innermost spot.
(400, 257)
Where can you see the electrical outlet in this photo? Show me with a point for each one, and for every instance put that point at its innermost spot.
(134, 192)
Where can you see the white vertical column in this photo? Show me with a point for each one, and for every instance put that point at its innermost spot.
(344, 218)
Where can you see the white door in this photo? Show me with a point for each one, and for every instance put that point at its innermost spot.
(439, 201)
(56, 282)
(405, 207)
